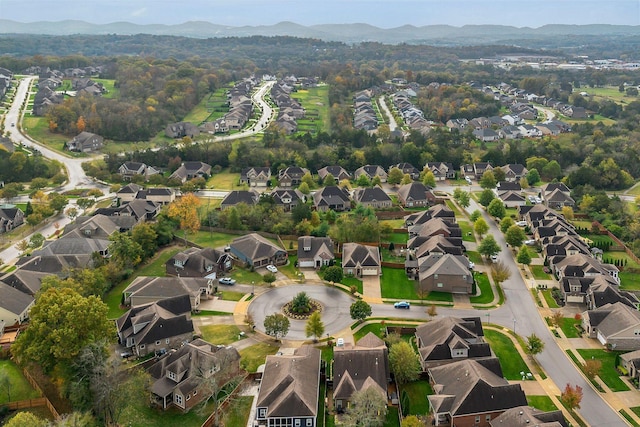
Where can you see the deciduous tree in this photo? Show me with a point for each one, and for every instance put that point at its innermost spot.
(506, 223)
(480, 226)
(591, 368)
(368, 408)
(486, 197)
(360, 310)
(488, 180)
(404, 362)
(572, 396)
(185, 210)
(500, 272)
(333, 274)
(496, 209)
(276, 325)
(429, 179)
(314, 326)
(524, 257)
(395, 176)
(62, 322)
(488, 246)
(515, 236)
(534, 345)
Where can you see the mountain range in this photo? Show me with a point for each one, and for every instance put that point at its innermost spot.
(347, 33)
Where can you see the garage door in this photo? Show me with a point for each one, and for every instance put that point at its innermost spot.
(369, 271)
(459, 290)
(306, 264)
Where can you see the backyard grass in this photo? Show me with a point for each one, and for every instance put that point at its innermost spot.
(352, 281)
(232, 295)
(139, 414)
(212, 239)
(417, 391)
(543, 403)
(326, 353)
(20, 388)
(153, 267)
(395, 284)
(483, 285)
(538, 272)
(290, 269)
(629, 281)
(396, 238)
(510, 359)
(467, 231)
(392, 419)
(551, 302)
(568, 326)
(610, 256)
(253, 356)
(220, 334)
(395, 223)
(238, 412)
(225, 180)
(608, 373)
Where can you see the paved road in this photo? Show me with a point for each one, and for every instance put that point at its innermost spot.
(392, 121)
(335, 313)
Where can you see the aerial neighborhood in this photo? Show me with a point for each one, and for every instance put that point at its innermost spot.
(215, 239)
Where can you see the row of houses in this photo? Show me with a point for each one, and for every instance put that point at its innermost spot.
(240, 109)
(508, 95)
(80, 241)
(289, 110)
(5, 81)
(412, 116)
(364, 115)
(612, 315)
(466, 377)
(185, 172)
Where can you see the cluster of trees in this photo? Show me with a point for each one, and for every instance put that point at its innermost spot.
(19, 167)
(449, 101)
(152, 93)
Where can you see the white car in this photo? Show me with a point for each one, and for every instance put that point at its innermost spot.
(472, 265)
(494, 257)
(529, 242)
(521, 223)
(272, 268)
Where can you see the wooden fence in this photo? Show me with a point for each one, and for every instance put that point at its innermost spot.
(209, 422)
(619, 243)
(47, 402)
(25, 404)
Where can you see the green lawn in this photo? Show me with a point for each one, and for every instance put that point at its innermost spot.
(395, 284)
(609, 256)
(290, 269)
(153, 267)
(225, 180)
(418, 392)
(38, 129)
(629, 281)
(315, 101)
(543, 403)
(608, 373)
(392, 419)
(551, 302)
(139, 414)
(20, 388)
(510, 359)
(396, 238)
(474, 257)
(395, 223)
(538, 272)
(238, 412)
(352, 281)
(454, 208)
(568, 326)
(232, 295)
(467, 231)
(245, 276)
(212, 239)
(486, 293)
(255, 355)
(636, 410)
(220, 334)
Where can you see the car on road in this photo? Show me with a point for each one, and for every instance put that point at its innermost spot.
(494, 257)
(13, 125)
(466, 178)
(272, 268)
(402, 304)
(227, 281)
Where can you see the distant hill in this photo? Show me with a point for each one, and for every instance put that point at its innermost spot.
(347, 33)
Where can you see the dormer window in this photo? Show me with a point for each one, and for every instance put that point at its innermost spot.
(209, 267)
(178, 263)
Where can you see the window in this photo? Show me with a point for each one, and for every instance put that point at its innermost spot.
(636, 332)
(297, 422)
(166, 341)
(464, 277)
(142, 347)
(172, 375)
(487, 418)
(435, 276)
(158, 342)
(309, 422)
(179, 400)
(262, 413)
(477, 419)
(195, 392)
(440, 285)
(188, 396)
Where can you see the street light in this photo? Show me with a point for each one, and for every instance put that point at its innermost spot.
(514, 325)
(253, 287)
(488, 318)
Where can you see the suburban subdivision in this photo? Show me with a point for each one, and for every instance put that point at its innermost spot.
(202, 233)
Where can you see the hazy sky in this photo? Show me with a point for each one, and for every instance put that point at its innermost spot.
(381, 13)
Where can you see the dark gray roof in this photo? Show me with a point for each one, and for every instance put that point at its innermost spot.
(234, 197)
(526, 416)
(370, 195)
(13, 300)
